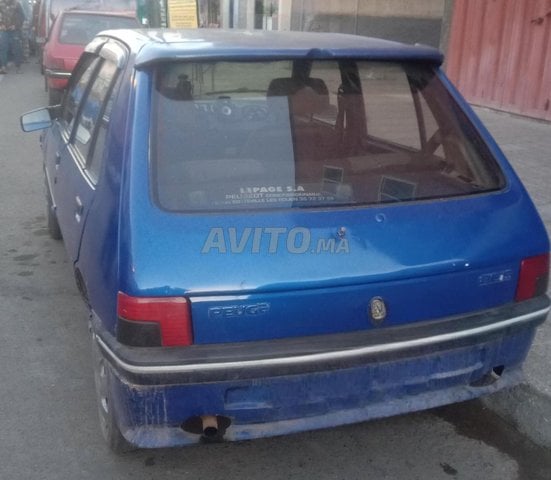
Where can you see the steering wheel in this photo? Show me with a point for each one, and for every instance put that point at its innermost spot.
(225, 108)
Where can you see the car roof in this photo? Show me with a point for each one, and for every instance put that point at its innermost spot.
(153, 46)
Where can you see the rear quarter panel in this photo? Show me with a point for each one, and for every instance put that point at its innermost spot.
(99, 251)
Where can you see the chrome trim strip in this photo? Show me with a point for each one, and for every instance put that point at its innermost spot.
(56, 74)
(305, 359)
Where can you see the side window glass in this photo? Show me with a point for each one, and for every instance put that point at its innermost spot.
(96, 155)
(93, 108)
(78, 90)
(389, 105)
(432, 131)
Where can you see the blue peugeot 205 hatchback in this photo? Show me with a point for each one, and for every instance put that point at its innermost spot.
(277, 232)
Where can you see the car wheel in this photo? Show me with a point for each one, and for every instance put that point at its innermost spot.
(51, 218)
(107, 415)
(54, 96)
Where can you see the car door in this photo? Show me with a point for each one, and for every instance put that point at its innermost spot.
(75, 171)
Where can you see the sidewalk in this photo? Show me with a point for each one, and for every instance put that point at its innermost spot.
(527, 144)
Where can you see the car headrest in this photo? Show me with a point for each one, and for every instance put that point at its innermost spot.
(307, 101)
(288, 86)
(306, 96)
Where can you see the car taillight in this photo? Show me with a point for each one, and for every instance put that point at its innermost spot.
(533, 277)
(154, 321)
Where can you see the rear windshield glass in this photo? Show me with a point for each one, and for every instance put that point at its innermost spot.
(304, 134)
(81, 29)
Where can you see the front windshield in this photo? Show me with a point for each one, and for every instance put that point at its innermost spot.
(288, 134)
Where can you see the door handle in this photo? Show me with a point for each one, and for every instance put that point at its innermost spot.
(79, 210)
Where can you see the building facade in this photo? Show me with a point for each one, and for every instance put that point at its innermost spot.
(402, 20)
(498, 52)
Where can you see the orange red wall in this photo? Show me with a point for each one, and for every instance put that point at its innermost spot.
(499, 54)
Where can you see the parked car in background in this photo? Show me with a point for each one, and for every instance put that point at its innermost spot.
(71, 31)
(48, 10)
(282, 231)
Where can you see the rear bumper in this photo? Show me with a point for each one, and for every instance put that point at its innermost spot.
(279, 387)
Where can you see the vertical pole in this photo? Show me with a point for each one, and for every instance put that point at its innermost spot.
(356, 17)
(250, 15)
(234, 12)
(163, 13)
(447, 19)
(285, 7)
(225, 13)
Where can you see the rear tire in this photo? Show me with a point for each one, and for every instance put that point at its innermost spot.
(107, 415)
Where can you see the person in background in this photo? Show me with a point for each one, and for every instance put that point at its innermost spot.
(3, 39)
(11, 23)
(26, 30)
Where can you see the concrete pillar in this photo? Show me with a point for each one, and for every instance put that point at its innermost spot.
(250, 15)
(235, 23)
(284, 10)
(225, 13)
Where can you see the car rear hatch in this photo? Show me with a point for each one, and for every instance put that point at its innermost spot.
(256, 277)
(319, 207)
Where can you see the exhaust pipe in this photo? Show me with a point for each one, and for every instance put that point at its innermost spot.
(209, 424)
(489, 378)
(211, 428)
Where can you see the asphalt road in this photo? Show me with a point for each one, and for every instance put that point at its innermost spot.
(48, 420)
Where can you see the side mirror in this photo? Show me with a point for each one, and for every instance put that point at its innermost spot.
(36, 120)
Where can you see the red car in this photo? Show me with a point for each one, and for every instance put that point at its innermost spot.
(72, 30)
